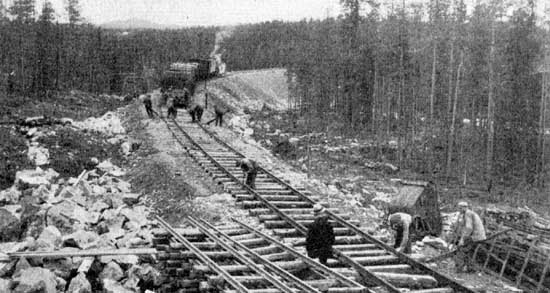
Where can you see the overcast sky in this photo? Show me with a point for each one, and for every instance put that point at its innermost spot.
(215, 12)
(203, 12)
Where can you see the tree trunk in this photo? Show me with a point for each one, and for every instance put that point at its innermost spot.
(453, 119)
(490, 114)
(432, 100)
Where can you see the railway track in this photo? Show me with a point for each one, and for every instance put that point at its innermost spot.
(286, 211)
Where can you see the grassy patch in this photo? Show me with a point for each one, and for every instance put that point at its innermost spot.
(71, 150)
(13, 155)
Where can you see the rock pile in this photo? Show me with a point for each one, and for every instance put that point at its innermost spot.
(97, 210)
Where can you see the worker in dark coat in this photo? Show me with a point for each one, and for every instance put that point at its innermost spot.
(148, 105)
(250, 170)
(219, 111)
(320, 236)
(401, 224)
(196, 113)
(170, 104)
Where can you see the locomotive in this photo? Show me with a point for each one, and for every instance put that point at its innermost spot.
(181, 78)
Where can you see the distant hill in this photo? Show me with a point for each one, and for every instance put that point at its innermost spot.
(134, 23)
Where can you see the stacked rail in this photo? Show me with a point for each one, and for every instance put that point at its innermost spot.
(287, 211)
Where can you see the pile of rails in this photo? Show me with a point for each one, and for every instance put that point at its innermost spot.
(521, 255)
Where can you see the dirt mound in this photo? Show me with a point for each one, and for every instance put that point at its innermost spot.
(254, 89)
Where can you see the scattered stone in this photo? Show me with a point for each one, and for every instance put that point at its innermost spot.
(110, 286)
(61, 284)
(5, 285)
(131, 198)
(111, 271)
(22, 264)
(10, 226)
(51, 235)
(35, 280)
(39, 155)
(34, 178)
(9, 196)
(81, 239)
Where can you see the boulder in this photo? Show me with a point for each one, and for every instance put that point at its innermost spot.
(10, 226)
(35, 280)
(21, 265)
(42, 194)
(131, 199)
(108, 167)
(98, 206)
(124, 186)
(79, 284)
(9, 196)
(61, 284)
(111, 286)
(137, 214)
(5, 285)
(14, 209)
(33, 178)
(81, 239)
(111, 271)
(51, 235)
(113, 219)
(60, 215)
(150, 276)
(39, 155)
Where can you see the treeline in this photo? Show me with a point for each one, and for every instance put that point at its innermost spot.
(428, 77)
(39, 56)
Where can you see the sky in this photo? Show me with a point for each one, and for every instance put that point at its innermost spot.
(218, 12)
(203, 12)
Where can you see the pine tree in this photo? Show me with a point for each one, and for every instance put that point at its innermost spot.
(73, 9)
(23, 10)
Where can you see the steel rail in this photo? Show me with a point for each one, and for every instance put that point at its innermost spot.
(286, 275)
(442, 279)
(315, 265)
(363, 272)
(205, 259)
(248, 262)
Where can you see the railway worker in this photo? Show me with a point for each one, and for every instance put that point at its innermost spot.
(172, 112)
(471, 229)
(148, 105)
(401, 224)
(196, 113)
(219, 111)
(250, 170)
(320, 236)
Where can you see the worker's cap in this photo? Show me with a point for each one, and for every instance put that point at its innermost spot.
(318, 209)
(463, 204)
(394, 219)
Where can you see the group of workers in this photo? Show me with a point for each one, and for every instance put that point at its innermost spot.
(195, 110)
(320, 235)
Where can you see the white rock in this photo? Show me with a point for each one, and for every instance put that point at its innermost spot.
(10, 195)
(80, 284)
(35, 280)
(34, 178)
(39, 155)
(111, 271)
(51, 235)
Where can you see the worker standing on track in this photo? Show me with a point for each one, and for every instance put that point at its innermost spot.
(320, 236)
(250, 170)
(172, 112)
(471, 229)
(148, 105)
(401, 224)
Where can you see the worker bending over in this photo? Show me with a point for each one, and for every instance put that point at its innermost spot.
(250, 170)
(401, 224)
(471, 229)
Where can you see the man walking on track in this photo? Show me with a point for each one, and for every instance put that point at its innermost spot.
(148, 105)
(471, 229)
(250, 170)
(320, 236)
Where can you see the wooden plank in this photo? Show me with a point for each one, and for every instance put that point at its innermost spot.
(83, 253)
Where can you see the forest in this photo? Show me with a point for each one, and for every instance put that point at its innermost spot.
(457, 93)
